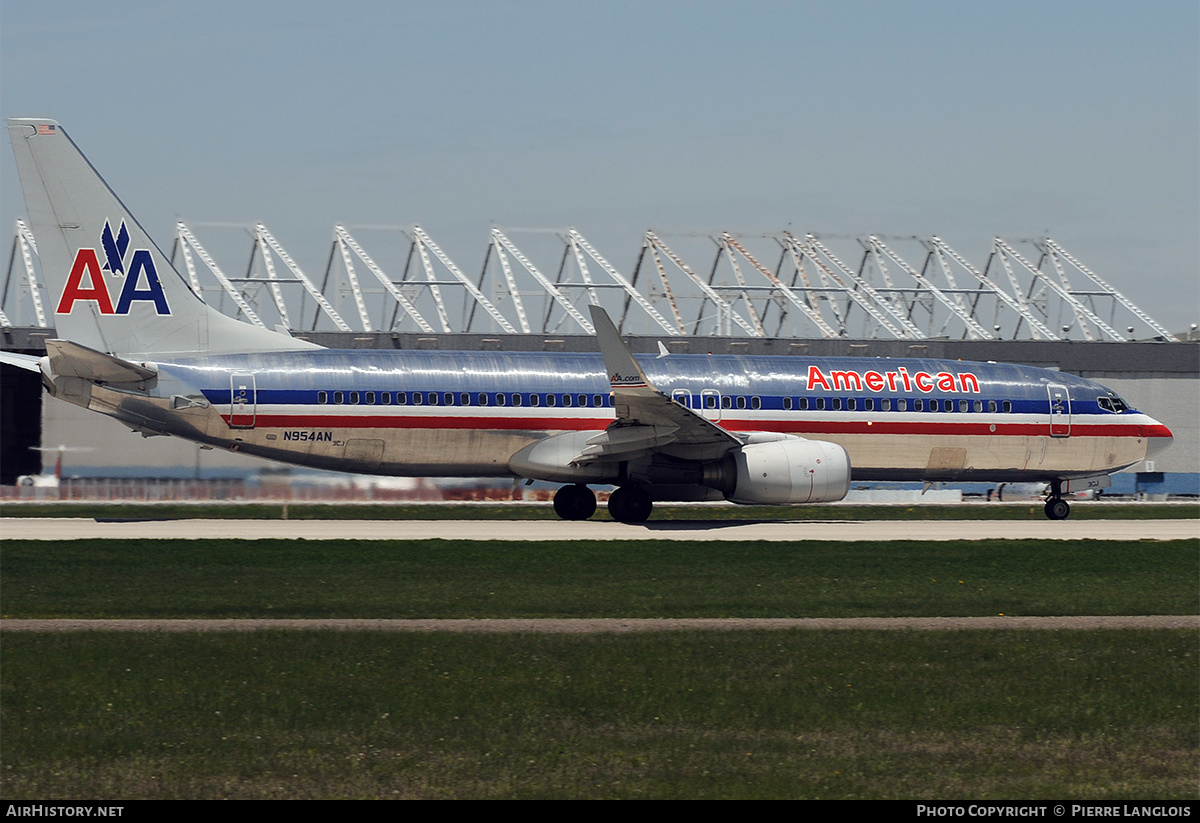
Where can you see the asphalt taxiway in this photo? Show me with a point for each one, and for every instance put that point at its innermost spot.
(46, 528)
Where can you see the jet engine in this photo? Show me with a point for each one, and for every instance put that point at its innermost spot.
(793, 470)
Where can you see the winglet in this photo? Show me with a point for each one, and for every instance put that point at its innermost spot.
(672, 428)
(623, 371)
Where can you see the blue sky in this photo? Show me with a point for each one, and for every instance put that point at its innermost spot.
(965, 119)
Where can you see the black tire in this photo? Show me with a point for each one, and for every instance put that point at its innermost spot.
(630, 504)
(1057, 508)
(576, 502)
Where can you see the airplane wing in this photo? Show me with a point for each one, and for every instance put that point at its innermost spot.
(647, 420)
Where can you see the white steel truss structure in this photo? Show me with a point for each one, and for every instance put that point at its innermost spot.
(29, 288)
(781, 285)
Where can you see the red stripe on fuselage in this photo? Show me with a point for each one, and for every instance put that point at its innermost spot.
(798, 427)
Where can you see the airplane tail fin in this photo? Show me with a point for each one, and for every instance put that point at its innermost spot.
(113, 289)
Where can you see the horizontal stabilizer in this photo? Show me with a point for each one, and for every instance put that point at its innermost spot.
(28, 362)
(69, 359)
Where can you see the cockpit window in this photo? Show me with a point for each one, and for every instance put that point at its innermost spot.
(1112, 403)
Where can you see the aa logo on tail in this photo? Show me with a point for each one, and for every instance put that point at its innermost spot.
(140, 266)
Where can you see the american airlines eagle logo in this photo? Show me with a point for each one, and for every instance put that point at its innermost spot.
(141, 278)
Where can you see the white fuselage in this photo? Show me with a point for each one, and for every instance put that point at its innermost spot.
(466, 414)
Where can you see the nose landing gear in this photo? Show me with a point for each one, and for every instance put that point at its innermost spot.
(1057, 508)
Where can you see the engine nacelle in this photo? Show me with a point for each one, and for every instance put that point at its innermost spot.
(789, 471)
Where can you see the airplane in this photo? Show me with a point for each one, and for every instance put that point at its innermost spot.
(51, 480)
(138, 345)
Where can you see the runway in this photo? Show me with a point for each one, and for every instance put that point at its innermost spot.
(45, 528)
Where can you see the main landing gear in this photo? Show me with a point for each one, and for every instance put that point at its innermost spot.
(628, 504)
(576, 502)
(1056, 507)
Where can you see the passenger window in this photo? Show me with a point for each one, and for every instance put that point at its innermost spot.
(402, 398)
(322, 397)
(756, 402)
(992, 406)
(787, 404)
(803, 404)
(551, 400)
(919, 404)
(385, 397)
(483, 398)
(820, 404)
(837, 404)
(1007, 405)
(710, 401)
(464, 399)
(354, 398)
(337, 397)
(567, 400)
(963, 406)
(741, 402)
(516, 399)
(370, 398)
(535, 399)
(726, 402)
(870, 404)
(500, 399)
(978, 405)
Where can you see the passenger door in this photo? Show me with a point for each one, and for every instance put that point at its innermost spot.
(243, 401)
(1060, 410)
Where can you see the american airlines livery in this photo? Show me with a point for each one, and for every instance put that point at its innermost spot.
(138, 345)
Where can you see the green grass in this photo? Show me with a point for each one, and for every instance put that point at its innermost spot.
(438, 578)
(1098, 715)
(980, 715)
(544, 511)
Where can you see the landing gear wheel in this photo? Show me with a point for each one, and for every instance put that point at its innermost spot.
(630, 504)
(576, 502)
(1057, 508)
